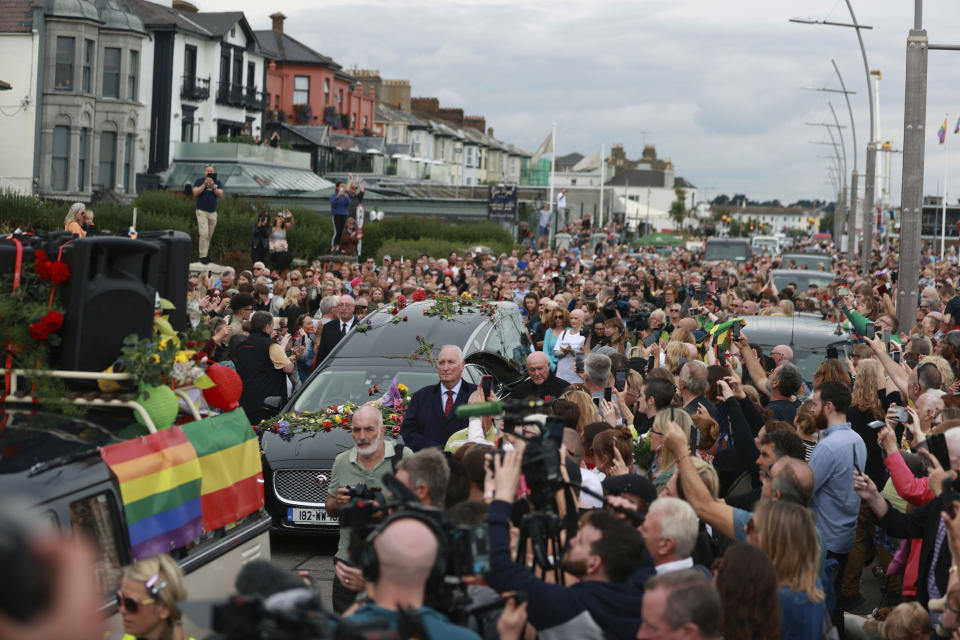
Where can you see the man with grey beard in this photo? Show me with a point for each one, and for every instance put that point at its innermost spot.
(366, 462)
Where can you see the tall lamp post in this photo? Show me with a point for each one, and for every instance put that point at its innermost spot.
(867, 246)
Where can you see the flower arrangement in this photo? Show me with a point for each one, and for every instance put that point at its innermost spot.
(448, 307)
(392, 405)
(330, 117)
(643, 455)
(166, 358)
(31, 317)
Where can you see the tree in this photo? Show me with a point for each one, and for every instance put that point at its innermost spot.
(826, 223)
(678, 210)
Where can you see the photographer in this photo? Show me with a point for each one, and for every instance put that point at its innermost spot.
(260, 243)
(607, 556)
(208, 191)
(365, 463)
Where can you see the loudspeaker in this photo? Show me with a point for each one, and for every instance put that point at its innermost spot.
(110, 294)
(173, 270)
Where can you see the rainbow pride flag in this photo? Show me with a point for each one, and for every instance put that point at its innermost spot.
(229, 456)
(159, 479)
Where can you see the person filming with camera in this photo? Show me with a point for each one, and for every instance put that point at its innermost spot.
(366, 463)
(208, 191)
(607, 556)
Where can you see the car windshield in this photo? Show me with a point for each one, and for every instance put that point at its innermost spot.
(810, 262)
(726, 251)
(336, 386)
(802, 280)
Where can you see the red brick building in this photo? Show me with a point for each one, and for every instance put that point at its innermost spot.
(310, 88)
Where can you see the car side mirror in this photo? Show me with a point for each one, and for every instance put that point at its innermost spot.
(272, 402)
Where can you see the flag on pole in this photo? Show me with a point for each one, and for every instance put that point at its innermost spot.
(590, 163)
(942, 133)
(956, 129)
(545, 148)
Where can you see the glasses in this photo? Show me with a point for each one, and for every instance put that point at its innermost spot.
(656, 433)
(361, 307)
(131, 604)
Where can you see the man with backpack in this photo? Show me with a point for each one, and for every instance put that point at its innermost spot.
(366, 463)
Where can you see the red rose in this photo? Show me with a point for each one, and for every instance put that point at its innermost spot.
(52, 321)
(402, 300)
(58, 272)
(404, 318)
(38, 331)
(419, 295)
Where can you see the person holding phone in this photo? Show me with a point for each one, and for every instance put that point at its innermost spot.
(207, 190)
(568, 344)
(340, 210)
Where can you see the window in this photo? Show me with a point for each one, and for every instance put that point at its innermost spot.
(96, 517)
(132, 72)
(353, 121)
(301, 90)
(326, 91)
(364, 122)
(88, 50)
(128, 164)
(61, 158)
(111, 72)
(190, 61)
(82, 161)
(63, 80)
(187, 123)
(341, 97)
(108, 159)
(251, 75)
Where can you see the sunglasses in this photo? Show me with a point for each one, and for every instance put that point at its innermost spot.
(362, 308)
(131, 604)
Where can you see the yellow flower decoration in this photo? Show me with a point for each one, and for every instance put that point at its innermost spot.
(338, 419)
(156, 358)
(163, 342)
(184, 356)
(402, 388)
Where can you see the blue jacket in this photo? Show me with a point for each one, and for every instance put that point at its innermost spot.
(613, 606)
(424, 424)
(339, 204)
(801, 619)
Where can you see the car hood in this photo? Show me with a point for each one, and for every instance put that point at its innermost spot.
(315, 450)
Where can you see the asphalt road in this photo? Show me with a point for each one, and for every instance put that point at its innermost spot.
(313, 554)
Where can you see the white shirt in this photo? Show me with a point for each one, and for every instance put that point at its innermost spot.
(561, 201)
(676, 565)
(592, 479)
(345, 326)
(443, 394)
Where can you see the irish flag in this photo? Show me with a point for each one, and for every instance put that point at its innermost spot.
(159, 478)
(229, 456)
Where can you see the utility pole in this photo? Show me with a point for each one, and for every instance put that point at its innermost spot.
(852, 219)
(911, 189)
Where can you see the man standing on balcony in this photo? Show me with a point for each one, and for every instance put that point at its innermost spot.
(208, 191)
(339, 209)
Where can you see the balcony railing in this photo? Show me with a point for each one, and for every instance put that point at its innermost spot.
(230, 93)
(255, 100)
(194, 88)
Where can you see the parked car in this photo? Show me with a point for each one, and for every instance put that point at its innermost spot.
(808, 337)
(735, 249)
(801, 279)
(496, 345)
(812, 261)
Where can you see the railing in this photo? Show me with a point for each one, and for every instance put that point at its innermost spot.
(255, 100)
(194, 88)
(230, 93)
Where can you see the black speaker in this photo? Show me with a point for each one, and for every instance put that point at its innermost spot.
(173, 270)
(110, 294)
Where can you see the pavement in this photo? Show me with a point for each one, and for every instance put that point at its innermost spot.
(313, 554)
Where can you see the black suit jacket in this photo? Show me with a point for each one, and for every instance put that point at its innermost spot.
(922, 523)
(330, 336)
(424, 424)
(552, 386)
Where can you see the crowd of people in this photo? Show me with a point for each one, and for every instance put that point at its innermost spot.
(703, 484)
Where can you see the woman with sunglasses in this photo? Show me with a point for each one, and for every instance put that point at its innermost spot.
(556, 322)
(280, 255)
(148, 598)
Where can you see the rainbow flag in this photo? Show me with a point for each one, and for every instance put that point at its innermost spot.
(229, 456)
(942, 132)
(159, 478)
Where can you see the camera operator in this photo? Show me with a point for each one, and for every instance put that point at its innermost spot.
(208, 191)
(607, 556)
(405, 554)
(365, 463)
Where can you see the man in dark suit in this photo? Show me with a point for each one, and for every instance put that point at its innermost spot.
(542, 382)
(429, 420)
(343, 321)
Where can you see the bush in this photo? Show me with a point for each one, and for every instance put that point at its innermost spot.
(309, 237)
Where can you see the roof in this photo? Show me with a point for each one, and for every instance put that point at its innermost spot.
(16, 16)
(570, 158)
(386, 113)
(681, 183)
(250, 178)
(282, 47)
(318, 135)
(157, 15)
(395, 148)
(637, 178)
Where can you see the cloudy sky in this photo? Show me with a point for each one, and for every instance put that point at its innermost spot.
(716, 86)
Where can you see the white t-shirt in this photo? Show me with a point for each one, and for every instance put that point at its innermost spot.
(592, 479)
(561, 201)
(566, 364)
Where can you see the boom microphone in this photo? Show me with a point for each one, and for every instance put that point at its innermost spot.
(479, 409)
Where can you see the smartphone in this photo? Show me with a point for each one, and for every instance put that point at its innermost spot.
(735, 331)
(578, 361)
(843, 292)
(620, 379)
(608, 394)
(871, 331)
(596, 401)
(652, 338)
(896, 356)
(651, 365)
(486, 383)
(721, 355)
(886, 338)
(855, 465)
(947, 496)
(937, 443)
(903, 415)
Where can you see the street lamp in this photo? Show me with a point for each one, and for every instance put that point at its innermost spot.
(867, 247)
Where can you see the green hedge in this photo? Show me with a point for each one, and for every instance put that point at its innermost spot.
(309, 237)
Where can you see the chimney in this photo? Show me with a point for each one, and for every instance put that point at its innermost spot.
(490, 131)
(278, 19)
(183, 6)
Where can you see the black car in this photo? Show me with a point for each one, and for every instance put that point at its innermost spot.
(296, 470)
(808, 337)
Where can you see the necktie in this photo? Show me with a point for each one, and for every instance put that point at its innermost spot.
(343, 329)
(448, 408)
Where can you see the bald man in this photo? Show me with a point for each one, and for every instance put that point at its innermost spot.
(781, 353)
(543, 383)
(406, 553)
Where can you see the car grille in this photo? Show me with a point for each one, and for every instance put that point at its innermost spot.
(300, 486)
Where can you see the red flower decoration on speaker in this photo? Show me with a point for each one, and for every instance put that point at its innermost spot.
(56, 272)
(41, 329)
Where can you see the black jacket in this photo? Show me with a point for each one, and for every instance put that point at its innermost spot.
(424, 424)
(260, 378)
(922, 523)
(330, 336)
(552, 386)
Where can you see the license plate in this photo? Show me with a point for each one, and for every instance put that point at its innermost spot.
(309, 516)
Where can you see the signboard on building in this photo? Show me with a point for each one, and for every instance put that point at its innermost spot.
(502, 203)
